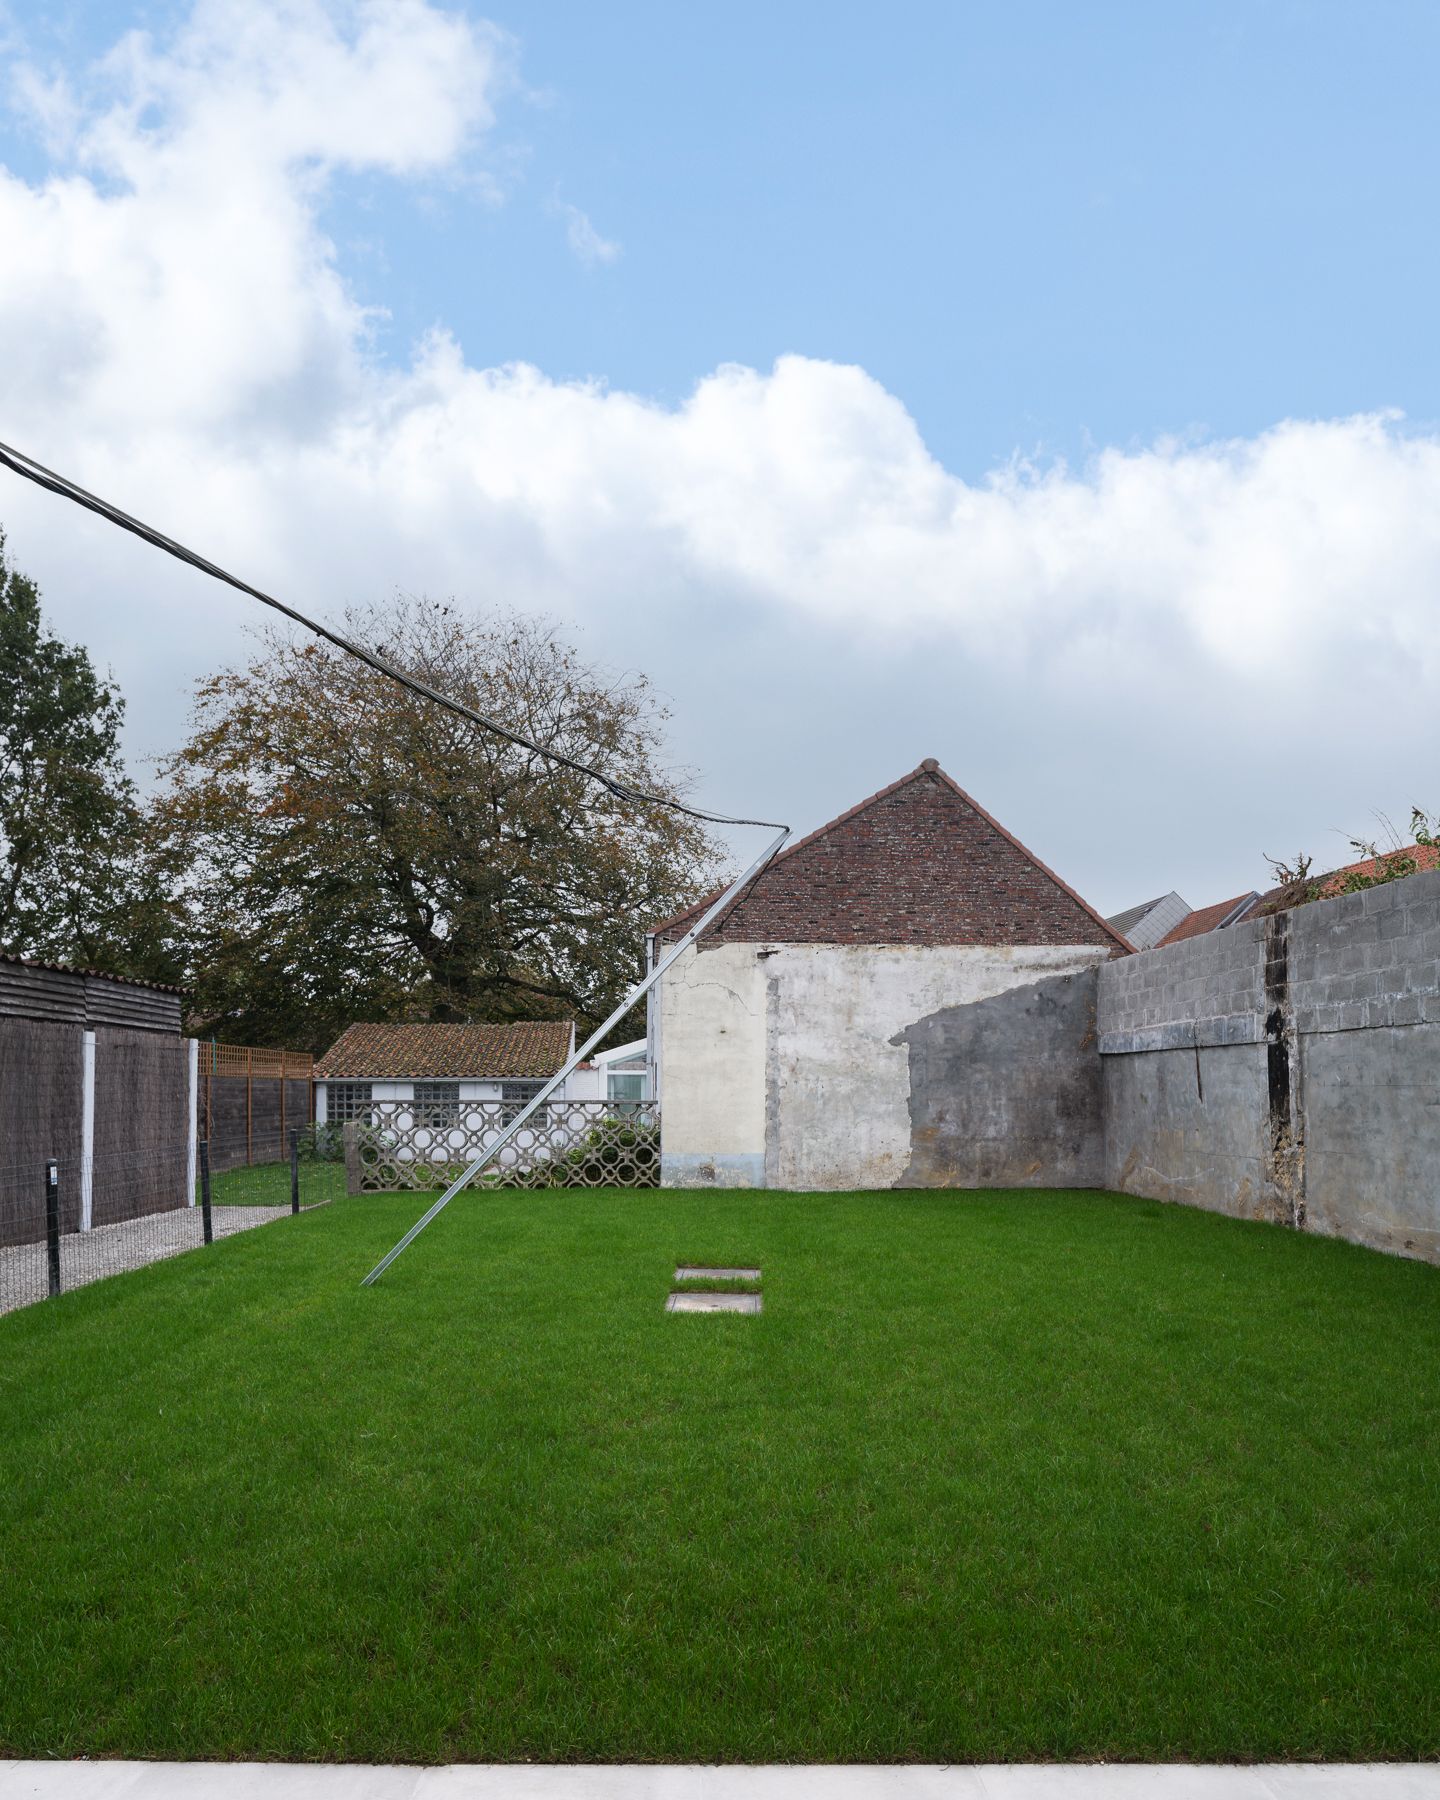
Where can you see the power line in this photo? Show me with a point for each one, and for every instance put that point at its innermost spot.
(30, 470)
(26, 467)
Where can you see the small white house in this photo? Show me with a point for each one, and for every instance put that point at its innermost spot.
(432, 1074)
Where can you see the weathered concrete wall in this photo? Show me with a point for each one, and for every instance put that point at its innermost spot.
(791, 1065)
(1005, 1092)
(1287, 1068)
(712, 1083)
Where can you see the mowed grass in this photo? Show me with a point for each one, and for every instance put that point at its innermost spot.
(1007, 1475)
(268, 1184)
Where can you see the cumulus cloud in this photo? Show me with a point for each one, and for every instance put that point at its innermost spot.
(176, 331)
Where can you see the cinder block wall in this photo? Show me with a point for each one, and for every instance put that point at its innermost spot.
(1286, 1068)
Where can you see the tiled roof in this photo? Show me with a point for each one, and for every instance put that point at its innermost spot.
(1209, 918)
(55, 968)
(1324, 887)
(1122, 921)
(525, 1051)
(918, 863)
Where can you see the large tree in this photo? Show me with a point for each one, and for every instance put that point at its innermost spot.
(346, 849)
(70, 881)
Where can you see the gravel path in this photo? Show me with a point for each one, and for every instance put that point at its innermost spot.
(87, 1256)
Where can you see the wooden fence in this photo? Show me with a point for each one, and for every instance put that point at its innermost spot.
(250, 1099)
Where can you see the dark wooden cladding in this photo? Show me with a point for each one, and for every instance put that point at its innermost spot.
(41, 994)
(136, 1008)
(70, 996)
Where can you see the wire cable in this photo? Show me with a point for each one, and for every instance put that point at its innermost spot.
(30, 470)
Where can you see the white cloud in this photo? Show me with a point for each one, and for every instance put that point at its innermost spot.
(586, 242)
(175, 331)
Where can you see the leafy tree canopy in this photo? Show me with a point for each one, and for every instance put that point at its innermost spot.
(69, 824)
(344, 849)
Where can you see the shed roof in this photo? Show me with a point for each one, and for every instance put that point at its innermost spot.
(920, 862)
(526, 1050)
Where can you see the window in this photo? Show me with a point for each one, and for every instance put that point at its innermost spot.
(514, 1095)
(346, 1100)
(437, 1104)
(626, 1087)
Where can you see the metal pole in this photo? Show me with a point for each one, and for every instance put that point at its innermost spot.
(52, 1223)
(597, 1037)
(205, 1189)
(294, 1171)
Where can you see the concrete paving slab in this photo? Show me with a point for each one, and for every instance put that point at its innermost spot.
(500, 1781)
(529, 1781)
(1121, 1781)
(687, 1273)
(1352, 1781)
(204, 1781)
(707, 1303)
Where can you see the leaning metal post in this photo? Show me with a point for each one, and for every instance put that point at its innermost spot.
(538, 1100)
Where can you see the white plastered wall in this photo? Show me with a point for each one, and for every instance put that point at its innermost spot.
(778, 1067)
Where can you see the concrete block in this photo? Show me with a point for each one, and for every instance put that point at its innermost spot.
(712, 1303)
(685, 1273)
(1421, 976)
(1386, 898)
(1430, 1008)
(1405, 1009)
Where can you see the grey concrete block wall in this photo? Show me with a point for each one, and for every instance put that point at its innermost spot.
(1331, 1010)
(1372, 1112)
(1206, 990)
(1188, 1125)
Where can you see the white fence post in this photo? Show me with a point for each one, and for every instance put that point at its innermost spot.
(87, 1129)
(194, 1121)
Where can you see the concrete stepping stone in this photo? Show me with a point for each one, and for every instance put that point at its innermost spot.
(708, 1303)
(687, 1273)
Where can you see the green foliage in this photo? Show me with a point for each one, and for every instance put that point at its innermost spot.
(348, 850)
(73, 880)
(615, 1145)
(1392, 864)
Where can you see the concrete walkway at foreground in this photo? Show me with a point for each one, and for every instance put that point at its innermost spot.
(522, 1781)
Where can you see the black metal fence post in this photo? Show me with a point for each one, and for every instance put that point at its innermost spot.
(52, 1222)
(205, 1189)
(294, 1171)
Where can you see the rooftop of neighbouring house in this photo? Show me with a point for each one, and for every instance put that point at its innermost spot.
(1256, 905)
(1210, 918)
(1149, 922)
(525, 1050)
(1424, 856)
(919, 863)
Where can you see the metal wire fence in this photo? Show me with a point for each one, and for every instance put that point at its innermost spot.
(68, 1221)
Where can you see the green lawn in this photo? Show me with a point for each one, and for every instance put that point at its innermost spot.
(268, 1184)
(992, 1476)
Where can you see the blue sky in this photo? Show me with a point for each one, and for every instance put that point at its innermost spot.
(1041, 231)
(1042, 226)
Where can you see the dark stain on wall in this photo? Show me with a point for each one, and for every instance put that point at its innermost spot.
(1006, 1092)
(1285, 1139)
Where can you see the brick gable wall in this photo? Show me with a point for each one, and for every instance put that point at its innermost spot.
(920, 863)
